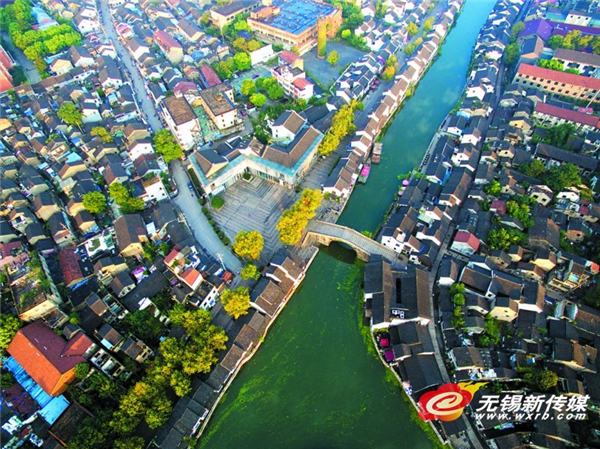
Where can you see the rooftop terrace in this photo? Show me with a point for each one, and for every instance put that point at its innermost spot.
(296, 16)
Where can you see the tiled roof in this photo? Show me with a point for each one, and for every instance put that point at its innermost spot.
(561, 77)
(567, 114)
(46, 356)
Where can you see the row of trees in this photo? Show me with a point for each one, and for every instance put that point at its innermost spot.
(557, 178)
(225, 69)
(342, 124)
(574, 40)
(295, 219)
(17, 20)
(178, 360)
(390, 68)
(553, 64)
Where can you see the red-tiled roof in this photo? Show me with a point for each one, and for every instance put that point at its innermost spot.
(468, 238)
(165, 40)
(41, 353)
(209, 74)
(190, 276)
(561, 77)
(288, 56)
(69, 264)
(301, 83)
(172, 255)
(567, 114)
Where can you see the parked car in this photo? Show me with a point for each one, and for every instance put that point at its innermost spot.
(190, 186)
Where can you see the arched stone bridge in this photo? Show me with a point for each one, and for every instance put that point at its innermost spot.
(325, 233)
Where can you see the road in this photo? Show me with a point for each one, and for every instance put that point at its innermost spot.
(28, 67)
(197, 221)
(188, 204)
(137, 82)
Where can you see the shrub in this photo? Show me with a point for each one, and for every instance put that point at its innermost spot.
(204, 210)
(226, 240)
(217, 202)
(212, 222)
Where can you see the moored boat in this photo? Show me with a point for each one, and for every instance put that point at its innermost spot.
(364, 172)
(376, 158)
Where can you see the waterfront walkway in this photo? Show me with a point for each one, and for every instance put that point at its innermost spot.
(325, 233)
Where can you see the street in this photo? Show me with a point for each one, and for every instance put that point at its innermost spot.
(197, 221)
(138, 84)
(26, 64)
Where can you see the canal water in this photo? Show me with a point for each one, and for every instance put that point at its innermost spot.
(313, 382)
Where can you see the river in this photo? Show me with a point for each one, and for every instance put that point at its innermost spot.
(313, 383)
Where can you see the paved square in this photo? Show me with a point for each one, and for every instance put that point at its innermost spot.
(255, 205)
(325, 72)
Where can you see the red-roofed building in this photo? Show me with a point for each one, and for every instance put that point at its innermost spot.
(465, 243)
(12, 254)
(68, 259)
(170, 47)
(558, 83)
(498, 206)
(550, 115)
(302, 88)
(192, 278)
(209, 77)
(287, 57)
(6, 63)
(48, 358)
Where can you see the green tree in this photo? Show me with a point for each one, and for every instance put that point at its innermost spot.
(275, 91)
(217, 202)
(295, 219)
(380, 9)
(502, 238)
(555, 41)
(512, 54)
(236, 302)
(428, 25)
(248, 87)
(333, 57)
(167, 146)
(388, 73)
(534, 168)
(248, 244)
(562, 176)
(258, 100)
(493, 188)
(144, 324)
(412, 29)
(89, 434)
(103, 133)
(124, 200)
(242, 61)
(346, 34)
(129, 443)
(82, 370)
(321, 39)
(70, 114)
(94, 202)
(515, 30)
(544, 379)
(9, 325)
(250, 272)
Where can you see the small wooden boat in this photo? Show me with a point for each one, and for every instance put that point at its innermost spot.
(364, 172)
(376, 158)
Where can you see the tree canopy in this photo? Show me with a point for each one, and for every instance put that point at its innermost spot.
(9, 325)
(295, 219)
(248, 87)
(102, 132)
(94, 202)
(167, 146)
(333, 57)
(236, 302)
(70, 114)
(512, 52)
(124, 200)
(412, 29)
(248, 244)
(242, 61)
(250, 272)
(342, 124)
(502, 238)
(258, 100)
